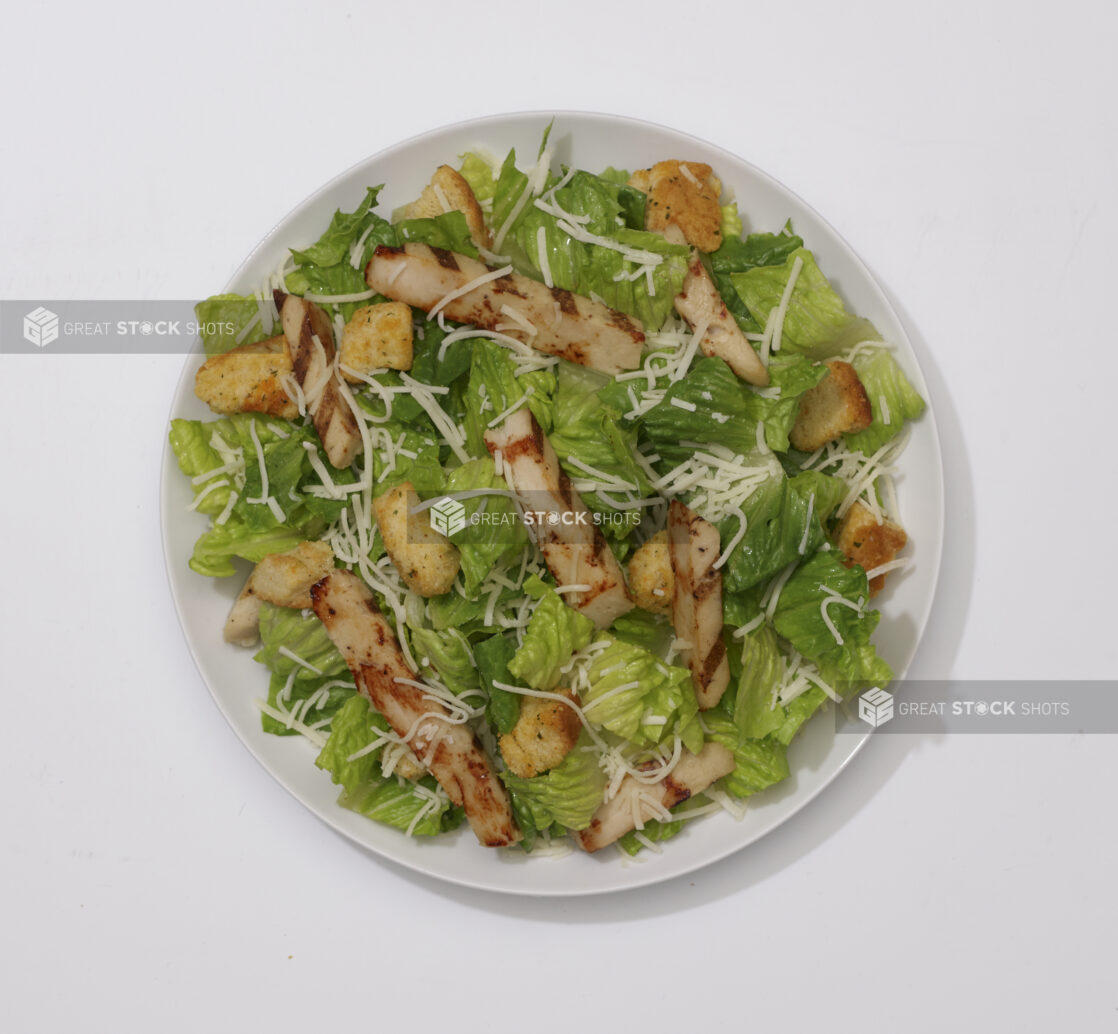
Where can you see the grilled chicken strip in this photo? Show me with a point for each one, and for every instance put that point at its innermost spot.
(697, 601)
(450, 752)
(692, 774)
(573, 546)
(310, 340)
(700, 304)
(563, 324)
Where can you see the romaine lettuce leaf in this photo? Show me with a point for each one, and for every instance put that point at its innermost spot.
(224, 317)
(478, 173)
(365, 789)
(883, 380)
(499, 536)
(737, 256)
(401, 806)
(493, 656)
(753, 712)
(449, 656)
(731, 222)
(251, 529)
(215, 549)
(635, 695)
(599, 205)
(306, 637)
(569, 793)
(714, 409)
(652, 632)
(328, 267)
(190, 441)
(449, 231)
(588, 433)
(345, 755)
(816, 323)
(758, 763)
(311, 700)
(555, 631)
(783, 523)
(654, 831)
(848, 658)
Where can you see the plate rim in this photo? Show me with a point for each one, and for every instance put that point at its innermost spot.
(800, 800)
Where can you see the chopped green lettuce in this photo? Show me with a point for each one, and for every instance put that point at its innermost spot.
(737, 256)
(758, 763)
(889, 392)
(284, 628)
(227, 320)
(311, 700)
(332, 265)
(569, 793)
(816, 323)
(555, 631)
(714, 409)
(478, 173)
(493, 655)
(448, 231)
(416, 807)
(252, 529)
(491, 543)
(448, 655)
(588, 434)
(784, 523)
(793, 375)
(840, 641)
(635, 695)
(753, 712)
(347, 755)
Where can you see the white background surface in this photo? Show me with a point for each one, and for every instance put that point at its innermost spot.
(152, 876)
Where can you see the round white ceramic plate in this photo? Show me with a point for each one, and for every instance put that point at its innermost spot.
(592, 142)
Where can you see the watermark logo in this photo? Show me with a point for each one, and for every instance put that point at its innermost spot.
(40, 327)
(448, 516)
(875, 707)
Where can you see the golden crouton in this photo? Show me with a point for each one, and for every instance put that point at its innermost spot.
(651, 580)
(248, 379)
(448, 192)
(867, 543)
(427, 561)
(283, 579)
(544, 734)
(378, 336)
(684, 193)
(836, 405)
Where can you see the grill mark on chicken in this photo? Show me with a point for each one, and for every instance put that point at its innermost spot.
(566, 490)
(566, 301)
(445, 258)
(507, 285)
(714, 660)
(623, 322)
